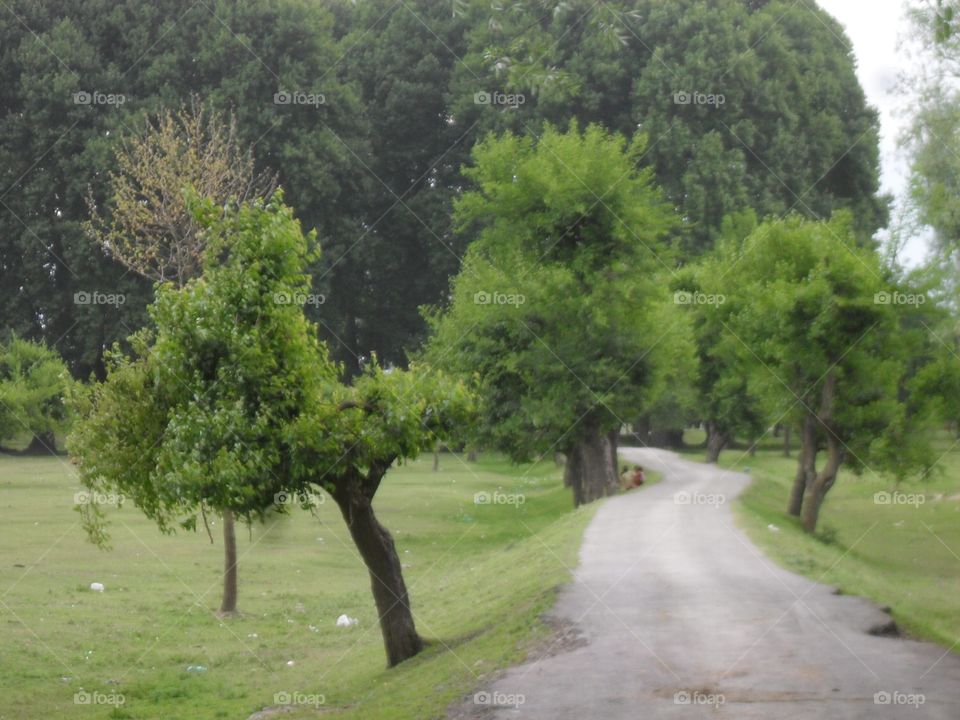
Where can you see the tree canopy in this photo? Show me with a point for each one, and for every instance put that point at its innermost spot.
(560, 310)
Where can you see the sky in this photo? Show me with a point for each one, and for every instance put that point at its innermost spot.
(875, 27)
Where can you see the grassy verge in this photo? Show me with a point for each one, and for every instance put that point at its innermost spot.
(479, 575)
(904, 553)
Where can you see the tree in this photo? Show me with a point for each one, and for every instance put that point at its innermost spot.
(230, 402)
(815, 319)
(803, 139)
(559, 312)
(200, 418)
(931, 141)
(400, 58)
(728, 405)
(33, 385)
(150, 229)
(385, 416)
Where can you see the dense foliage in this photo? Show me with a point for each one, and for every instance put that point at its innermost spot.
(367, 111)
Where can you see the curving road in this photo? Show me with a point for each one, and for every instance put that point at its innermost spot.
(678, 615)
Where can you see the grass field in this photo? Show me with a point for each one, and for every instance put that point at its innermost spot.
(905, 553)
(479, 577)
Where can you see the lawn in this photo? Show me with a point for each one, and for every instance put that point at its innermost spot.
(905, 554)
(479, 575)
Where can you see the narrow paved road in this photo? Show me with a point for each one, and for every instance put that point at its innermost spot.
(680, 616)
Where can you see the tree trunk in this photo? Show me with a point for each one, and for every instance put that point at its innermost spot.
(573, 474)
(379, 554)
(436, 459)
(641, 430)
(818, 484)
(786, 440)
(591, 470)
(806, 464)
(821, 485)
(716, 441)
(613, 473)
(752, 447)
(472, 455)
(228, 604)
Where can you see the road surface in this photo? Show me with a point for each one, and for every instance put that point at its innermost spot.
(679, 616)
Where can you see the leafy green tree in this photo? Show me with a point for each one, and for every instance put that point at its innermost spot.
(815, 318)
(559, 312)
(231, 403)
(347, 449)
(804, 139)
(150, 227)
(33, 385)
(728, 405)
(202, 416)
(931, 140)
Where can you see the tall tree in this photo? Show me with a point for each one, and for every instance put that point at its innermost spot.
(727, 403)
(151, 230)
(815, 317)
(560, 309)
(230, 403)
(729, 128)
(201, 417)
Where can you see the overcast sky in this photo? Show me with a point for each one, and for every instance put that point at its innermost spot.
(874, 27)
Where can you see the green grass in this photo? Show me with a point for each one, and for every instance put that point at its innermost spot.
(480, 576)
(906, 556)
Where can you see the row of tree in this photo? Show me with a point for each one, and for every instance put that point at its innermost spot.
(407, 91)
(569, 313)
(605, 275)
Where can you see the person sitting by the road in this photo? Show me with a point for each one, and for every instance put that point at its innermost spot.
(633, 478)
(626, 475)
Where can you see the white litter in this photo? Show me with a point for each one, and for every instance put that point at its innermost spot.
(96, 587)
(346, 621)
(773, 528)
(290, 663)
